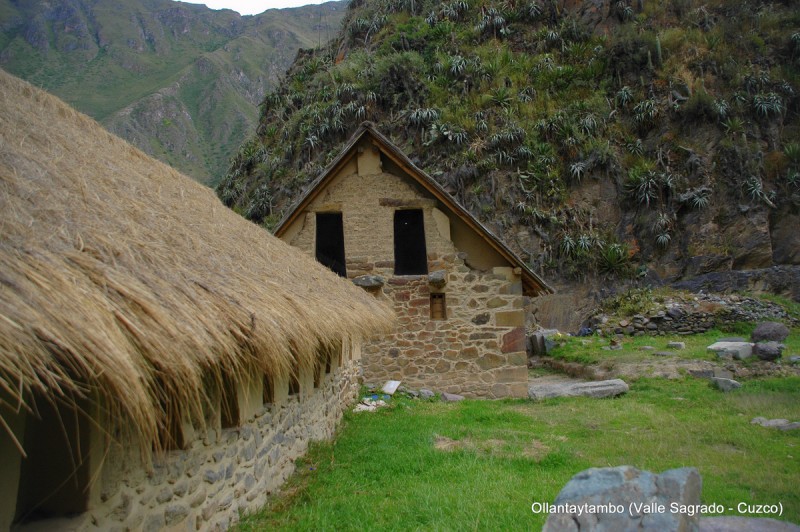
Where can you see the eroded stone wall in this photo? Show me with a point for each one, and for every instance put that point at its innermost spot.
(223, 473)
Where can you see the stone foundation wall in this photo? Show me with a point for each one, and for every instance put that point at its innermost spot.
(226, 472)
(478, 351)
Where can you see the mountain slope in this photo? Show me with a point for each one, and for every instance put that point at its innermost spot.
(179, 80)
(655, 139)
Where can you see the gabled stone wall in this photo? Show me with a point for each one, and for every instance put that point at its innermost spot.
(479, 350)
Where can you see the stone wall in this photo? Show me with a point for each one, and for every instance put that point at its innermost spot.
(477, 351)
(222, 472)
(693, 316)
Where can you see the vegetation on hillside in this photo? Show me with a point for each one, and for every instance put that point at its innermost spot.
(526, 111)
(180, 81)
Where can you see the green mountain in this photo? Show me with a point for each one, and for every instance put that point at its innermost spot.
(181, 81)
(619, 138)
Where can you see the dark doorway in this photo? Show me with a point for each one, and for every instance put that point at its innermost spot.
(330, 242)
(410, 255)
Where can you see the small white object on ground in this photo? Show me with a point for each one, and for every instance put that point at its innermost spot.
(390, 387)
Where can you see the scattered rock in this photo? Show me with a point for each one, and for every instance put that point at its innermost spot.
(794, 359)
(676, 345)
(664, 354)
(737, 350)
(369, 281)
(597, 389)
(369, 405)
(726, 385)
(646, 348)
(623, 487)
(726, 523)
(451, 397)
(541, 342)
(768, 350)
(426, 394)
(701, 373)
(770, 331)
(438, 278)
(782, 424)
(732, 339)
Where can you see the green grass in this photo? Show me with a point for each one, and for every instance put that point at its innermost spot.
(385, 472)
(589, 350)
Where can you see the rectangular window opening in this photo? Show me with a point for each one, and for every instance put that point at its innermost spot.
(229, 415)
(318, 374)
(294, 378)
(410, 253)
(438, 307)
(330, 242)
(269, 394)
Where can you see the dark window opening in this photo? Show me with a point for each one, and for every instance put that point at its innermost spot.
(230, 404)
(318, 374)
(269, 394)
(294, 378)
(438, 307)
(330, 242)
(410, 254)
(54, 478)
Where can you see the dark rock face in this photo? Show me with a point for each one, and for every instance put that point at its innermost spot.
(777, 279)
(785, 238)
(770, 331)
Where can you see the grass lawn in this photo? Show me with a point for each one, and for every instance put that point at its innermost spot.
(589, 350)
(480, 464)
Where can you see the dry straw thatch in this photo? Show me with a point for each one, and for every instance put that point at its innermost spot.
(123, 280)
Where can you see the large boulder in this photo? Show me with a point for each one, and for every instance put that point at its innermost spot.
(597, 389)
(768, 350)
(627, 499)
(770, 331)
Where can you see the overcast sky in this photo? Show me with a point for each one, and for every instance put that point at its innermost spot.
(253, 7)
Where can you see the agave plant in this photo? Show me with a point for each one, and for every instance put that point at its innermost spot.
(645, 112)
(624, 96)
(721, 108)
(568, 246)
(767, 104)
(577, 170)
(792, 152)
(423, 116)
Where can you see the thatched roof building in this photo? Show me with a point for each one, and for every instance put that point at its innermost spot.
(127, 282)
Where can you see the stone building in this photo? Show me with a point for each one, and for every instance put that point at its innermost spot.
(459, 293)
(163, 361)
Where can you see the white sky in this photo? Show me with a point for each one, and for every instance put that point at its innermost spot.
(253, 7)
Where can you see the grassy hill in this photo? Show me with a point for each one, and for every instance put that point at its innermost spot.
(179, 80)
(656, 138)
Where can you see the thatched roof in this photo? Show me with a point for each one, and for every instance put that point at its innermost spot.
(532, 283)
(123, 279)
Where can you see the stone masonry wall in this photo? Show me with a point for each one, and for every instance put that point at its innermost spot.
(224, 473)
(478, 351)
